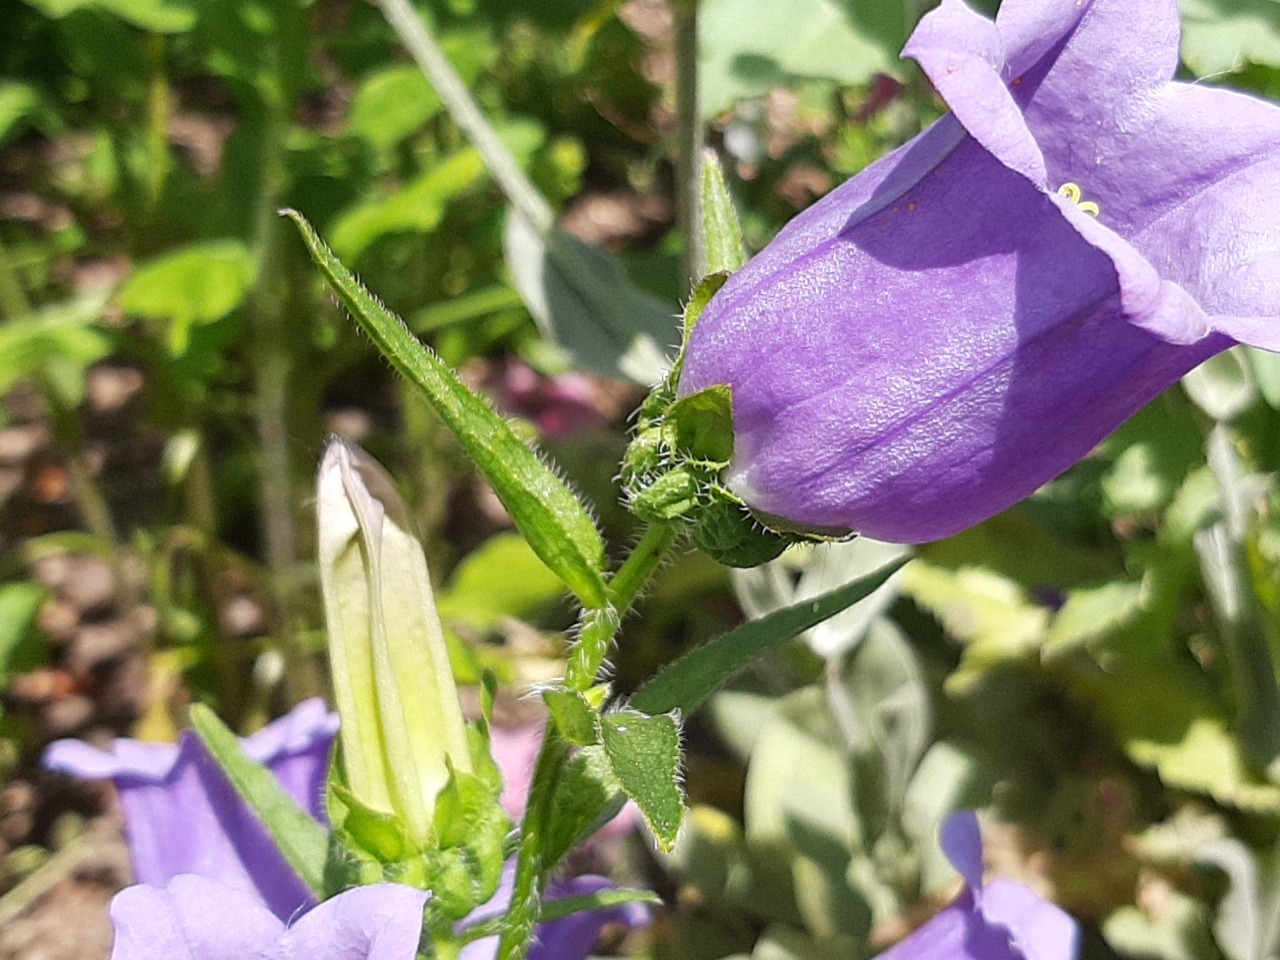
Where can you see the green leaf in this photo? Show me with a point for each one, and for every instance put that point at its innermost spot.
(1220, 36)
(587, 797)
(746, 55)
(644, 752)
(418, 208)
(684, 684)
(55, 345)
(18, 101)
(720, 228)
(302, 841)
(701, 426)
(391, 104)
(546, 511)
(20, 646)
(198, 284)
(1223, 385)
(501, 578)
(573, 715)
(567, 906)
(473, 828)
(582, 299)
(157, 16)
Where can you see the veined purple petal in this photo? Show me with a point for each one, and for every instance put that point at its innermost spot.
(944, 333)
(182, 816)
(198, 918)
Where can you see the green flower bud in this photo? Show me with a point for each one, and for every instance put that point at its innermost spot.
(401, 722)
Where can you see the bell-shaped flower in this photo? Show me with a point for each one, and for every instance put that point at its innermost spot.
(198, 918)
(393, 686)
(182, 815)
(969, 316)
(1002, 920)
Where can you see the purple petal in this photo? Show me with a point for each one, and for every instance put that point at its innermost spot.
(956, 933)
(378, 922)
(182, 816)
(1039, 930)
(943, 333)
(963, 55)
(197, 918)
(194, 918)
(574, 937)
(962, 843)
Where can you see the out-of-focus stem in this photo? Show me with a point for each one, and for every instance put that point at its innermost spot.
(158, 105)
(273, 371)
(430, 58)
(1225, 565)
(688, 136)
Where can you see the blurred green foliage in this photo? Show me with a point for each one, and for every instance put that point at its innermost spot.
(1097, 666)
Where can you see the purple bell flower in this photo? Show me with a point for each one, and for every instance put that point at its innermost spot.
(183, 816)
(1003, 920)
(970, 315)
(199, 918)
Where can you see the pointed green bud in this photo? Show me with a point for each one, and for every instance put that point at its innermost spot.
(401, 721)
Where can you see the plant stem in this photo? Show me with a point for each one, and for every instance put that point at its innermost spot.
(599, 627)
(426, 52)
(688, 137)
(1224, 562)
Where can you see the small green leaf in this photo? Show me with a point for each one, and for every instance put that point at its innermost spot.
(720, 227)
(701, 426)
(573, 715)
(198, 284)
(21, 645)
(501, 578)
(380, 835)
(392, 103)
(473, 828)
(546, 511)
(644, 752)
(603, 899)
(688, 681)
(587, 797)
(302, 841)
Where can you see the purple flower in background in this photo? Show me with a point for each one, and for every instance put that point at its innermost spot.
(973, 313)
(198, 918)
(182, 815)
(1003, 920)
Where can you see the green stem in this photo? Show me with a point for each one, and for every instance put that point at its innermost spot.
(273, 367)
(599, 627)
(526, 897)
(1224, 562)
(426, 52)
(688, 137)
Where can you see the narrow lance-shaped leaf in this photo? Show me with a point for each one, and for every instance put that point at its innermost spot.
(683, 685)
(722, 234)
(302, 840)
(545, 510)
